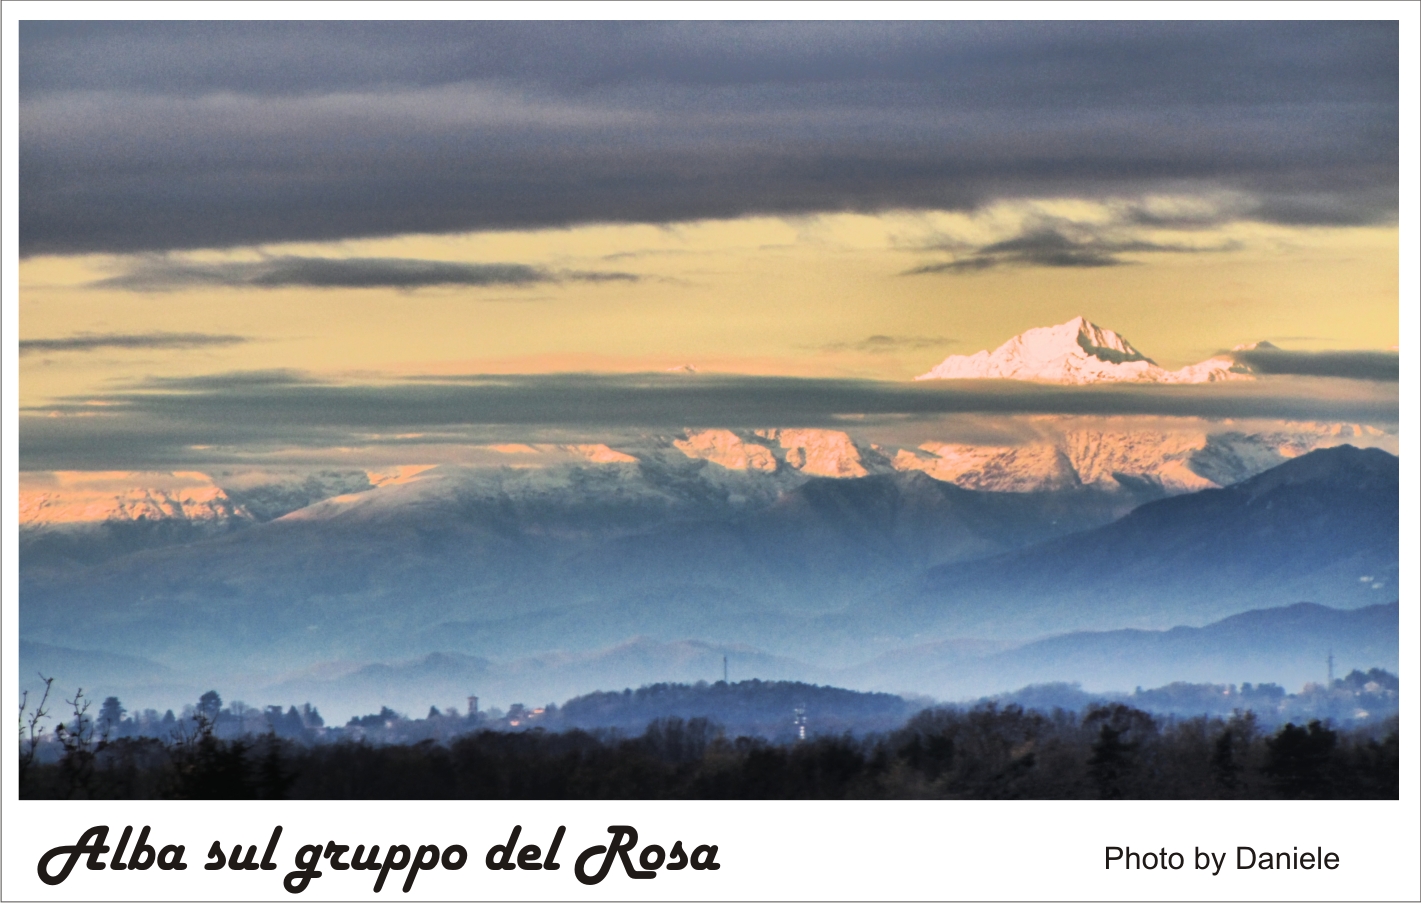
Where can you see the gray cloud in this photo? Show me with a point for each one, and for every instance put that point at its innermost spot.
(1052, 246)
(245, 415)
(161, 274)
(593, 276)
(89, 341)
(1140, 215)
(1381, 366)
(885, 344)
(159, 135)
(240, 380)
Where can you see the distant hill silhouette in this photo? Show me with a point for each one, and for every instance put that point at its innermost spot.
(1288, 646)
(1321, 528)
(445, 678)
(752, 708)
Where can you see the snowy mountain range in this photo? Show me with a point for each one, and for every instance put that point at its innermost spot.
(1078, 352)
(69, 498)
(1061, 453)
(493, 558)
(788, 544)
(1058, 453)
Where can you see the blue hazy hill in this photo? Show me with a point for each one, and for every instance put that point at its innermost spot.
(1288, 645)
(1322, 528)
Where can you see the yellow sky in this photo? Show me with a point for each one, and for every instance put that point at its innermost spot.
(756, 296)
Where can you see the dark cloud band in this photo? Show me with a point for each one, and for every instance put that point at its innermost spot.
(1382, 366)
(129, 341)
(888, 344)
(162, 421)
(154, 136)
(329, 272)
(1054, 247)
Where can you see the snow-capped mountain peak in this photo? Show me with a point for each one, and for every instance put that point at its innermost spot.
(1080, 333)
(1078, 352)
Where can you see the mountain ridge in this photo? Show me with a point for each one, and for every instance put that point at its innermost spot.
(1324, 525)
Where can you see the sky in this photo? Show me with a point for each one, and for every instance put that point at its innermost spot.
(245, 240)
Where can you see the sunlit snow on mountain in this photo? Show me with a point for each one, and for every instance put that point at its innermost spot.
(66, 498)
(1061, 455)
(1078, 352)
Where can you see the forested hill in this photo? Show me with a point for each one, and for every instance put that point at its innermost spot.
(751, 707)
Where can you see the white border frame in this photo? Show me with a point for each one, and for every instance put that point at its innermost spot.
(796, 851)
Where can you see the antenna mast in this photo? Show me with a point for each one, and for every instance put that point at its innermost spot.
(1329, 669)
(725, 669)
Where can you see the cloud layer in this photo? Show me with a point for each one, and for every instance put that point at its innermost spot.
(164, 135)
(163, 423)
(889, 344)
(87, 341)
(1070, 245)
(1382, 366)
(161, 274)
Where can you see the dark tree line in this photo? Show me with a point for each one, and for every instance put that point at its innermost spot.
(114, 722)
(991, 751)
